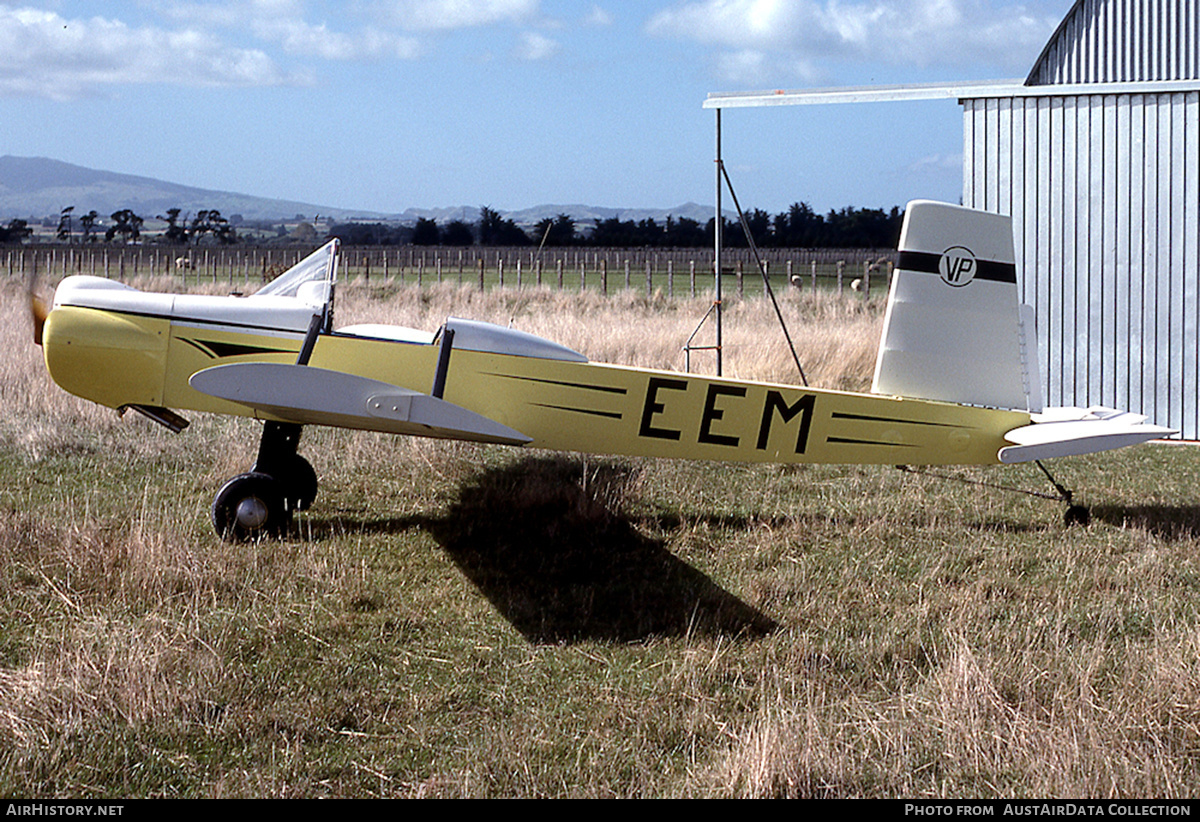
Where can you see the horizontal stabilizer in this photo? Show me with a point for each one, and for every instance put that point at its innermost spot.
(318, 396)
(1069, 432)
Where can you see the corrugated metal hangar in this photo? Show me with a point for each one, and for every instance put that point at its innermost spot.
(1097, 159)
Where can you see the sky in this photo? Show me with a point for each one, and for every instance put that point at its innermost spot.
(385, 105)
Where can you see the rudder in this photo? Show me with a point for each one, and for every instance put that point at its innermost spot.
(953, 329)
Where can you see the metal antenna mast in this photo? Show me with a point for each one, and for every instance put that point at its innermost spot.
(714, 310)
(718, 224)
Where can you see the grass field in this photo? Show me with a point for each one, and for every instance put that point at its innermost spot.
(456, 620)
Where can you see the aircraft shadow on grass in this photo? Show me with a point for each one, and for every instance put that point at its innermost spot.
(562, 563)
(1168, 522)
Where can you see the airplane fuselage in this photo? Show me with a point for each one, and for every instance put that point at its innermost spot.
(121, 358)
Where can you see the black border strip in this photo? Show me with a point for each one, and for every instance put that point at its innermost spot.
(927, 263)
(609, 389)
(609, 414)
(838, 415)
(229, 349)
(184, 320)
(847, 441)
(199, 347)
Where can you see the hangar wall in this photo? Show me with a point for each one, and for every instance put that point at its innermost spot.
(1100, 169)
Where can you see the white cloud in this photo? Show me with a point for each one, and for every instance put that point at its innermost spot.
(44, 54)
(440, 15)
(937, 164)
(398, 29)
(802, 33)
(597, 17)
(748, 66)
(742, 66)
(534, 46)
(301, 38)
(231, 14)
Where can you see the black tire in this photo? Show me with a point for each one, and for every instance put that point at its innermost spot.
(248, 507)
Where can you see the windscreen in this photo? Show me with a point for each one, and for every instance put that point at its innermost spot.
(318, 267)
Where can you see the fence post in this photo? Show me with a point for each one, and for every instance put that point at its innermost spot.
(670, 278)
(626, 273)
(841, 267)
(814, 276)
(558, 269)
(692, 275)
(518, 271)
(649, 280)
(741, 278)
(604, 276)
(481, 273)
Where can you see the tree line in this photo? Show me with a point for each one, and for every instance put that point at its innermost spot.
(126, 227)
(797, 227)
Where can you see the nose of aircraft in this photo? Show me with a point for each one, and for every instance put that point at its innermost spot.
(107, 357)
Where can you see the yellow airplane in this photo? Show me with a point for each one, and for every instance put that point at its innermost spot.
(955, 382)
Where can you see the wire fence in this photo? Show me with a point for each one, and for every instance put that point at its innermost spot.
(671, 272)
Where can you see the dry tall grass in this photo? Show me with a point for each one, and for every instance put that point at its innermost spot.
(836, 338)
(461, 621)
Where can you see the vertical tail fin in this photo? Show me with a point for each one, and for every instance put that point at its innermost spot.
(953, 329)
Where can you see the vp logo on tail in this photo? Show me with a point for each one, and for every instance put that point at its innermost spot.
(957, 266)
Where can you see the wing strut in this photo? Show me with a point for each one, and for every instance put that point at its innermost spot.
(443, 363)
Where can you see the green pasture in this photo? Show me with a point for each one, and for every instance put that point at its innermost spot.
(455, 620)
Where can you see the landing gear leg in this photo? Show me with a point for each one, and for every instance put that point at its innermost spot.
(260, 503)
(277, 457)
(1075, 514)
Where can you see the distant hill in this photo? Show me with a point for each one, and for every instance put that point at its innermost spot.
(39, 187)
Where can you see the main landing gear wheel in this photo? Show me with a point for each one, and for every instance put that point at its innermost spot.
(261, 503)
(250, 506)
